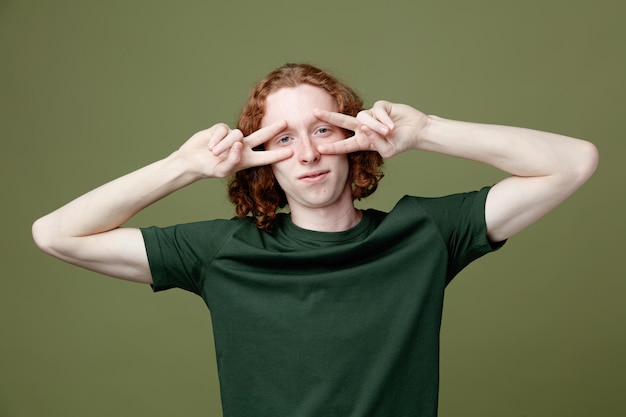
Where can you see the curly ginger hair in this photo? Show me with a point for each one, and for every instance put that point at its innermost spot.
(255, 191)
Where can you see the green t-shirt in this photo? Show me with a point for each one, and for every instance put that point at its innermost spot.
(326, 324)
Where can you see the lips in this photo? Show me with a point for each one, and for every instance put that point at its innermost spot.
(314, 175)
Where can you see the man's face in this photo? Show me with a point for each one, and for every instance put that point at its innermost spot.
(309, 179)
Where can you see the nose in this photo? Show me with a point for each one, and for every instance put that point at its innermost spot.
(308, 151)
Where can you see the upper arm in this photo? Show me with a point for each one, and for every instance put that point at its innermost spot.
(119, 253)
(517, 202)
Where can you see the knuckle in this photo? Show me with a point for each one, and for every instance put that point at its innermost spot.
(220, 127)
(236, 134)
(362, 115)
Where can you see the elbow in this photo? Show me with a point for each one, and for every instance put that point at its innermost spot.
(42, 236)
(586, 162)
(575, 169)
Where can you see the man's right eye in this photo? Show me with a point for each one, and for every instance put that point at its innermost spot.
(283, 140)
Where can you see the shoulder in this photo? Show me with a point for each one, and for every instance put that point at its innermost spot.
(450, 204)
(213, 230)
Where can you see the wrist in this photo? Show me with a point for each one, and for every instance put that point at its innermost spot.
(181, 169)
(430, 132)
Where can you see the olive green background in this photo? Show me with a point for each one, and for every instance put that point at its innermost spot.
(92, 90)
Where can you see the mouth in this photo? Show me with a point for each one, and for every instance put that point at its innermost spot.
(314, 176)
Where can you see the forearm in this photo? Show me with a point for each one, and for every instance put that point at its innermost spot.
(518, 151)
(110, 205)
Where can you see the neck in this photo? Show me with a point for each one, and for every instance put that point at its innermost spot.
(324, 219)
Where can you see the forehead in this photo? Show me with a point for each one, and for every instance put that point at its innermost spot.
(294, 103)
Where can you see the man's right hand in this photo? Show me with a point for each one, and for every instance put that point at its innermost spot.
(219, 151)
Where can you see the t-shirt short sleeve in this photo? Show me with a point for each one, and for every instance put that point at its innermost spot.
(460, 219)
(179, 255)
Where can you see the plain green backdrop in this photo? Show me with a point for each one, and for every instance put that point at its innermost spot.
(90, 90)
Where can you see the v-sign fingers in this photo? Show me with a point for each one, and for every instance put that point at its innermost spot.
(259, 158)
(369, 119)
(340, 147)
(337, 119)
(227, 142)
(365, 139)
(264, 134)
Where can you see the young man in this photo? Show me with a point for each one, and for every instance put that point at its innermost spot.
(325, 310)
